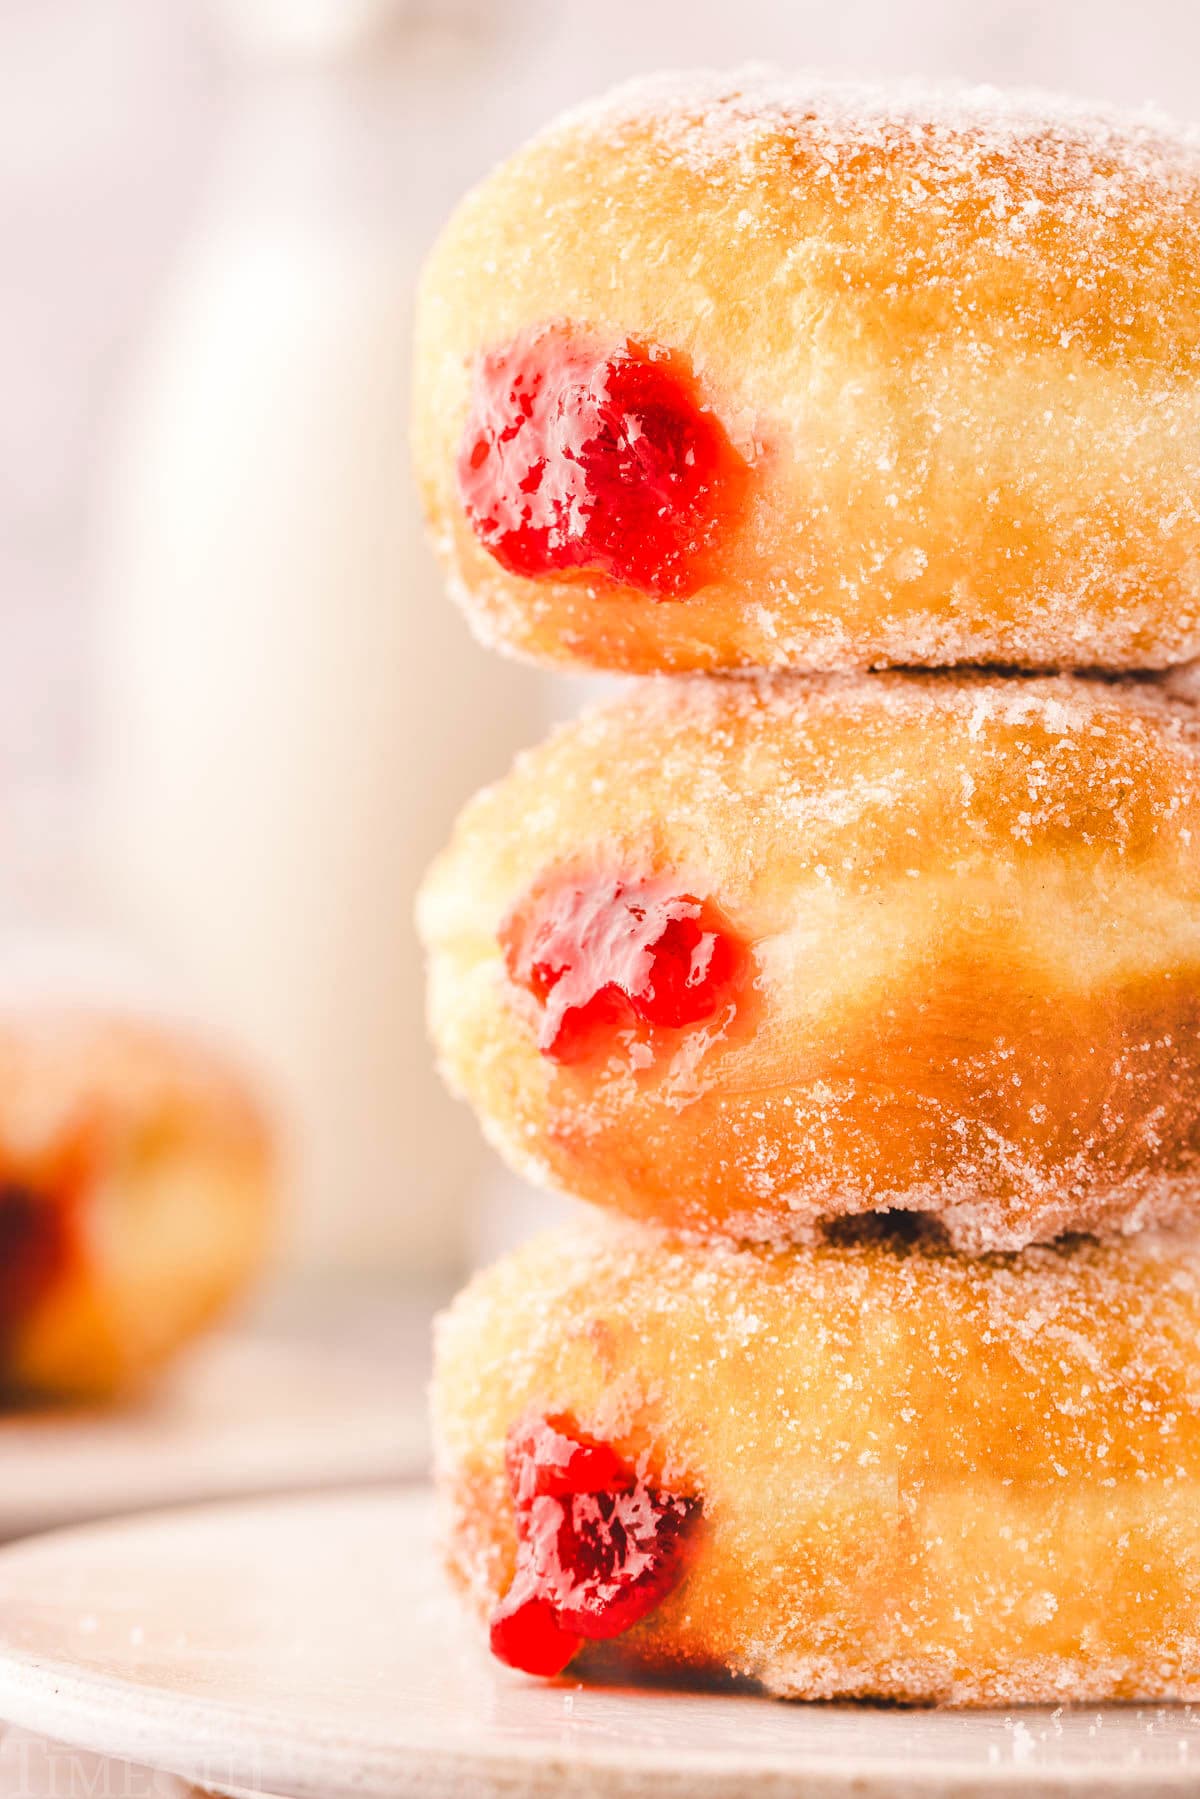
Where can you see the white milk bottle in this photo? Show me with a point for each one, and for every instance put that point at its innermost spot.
(291, 708)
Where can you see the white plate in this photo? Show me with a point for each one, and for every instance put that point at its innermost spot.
(238, 1415)
(306, 1647)
(32, 1768)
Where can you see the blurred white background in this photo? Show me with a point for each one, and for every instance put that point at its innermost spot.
(236, 712)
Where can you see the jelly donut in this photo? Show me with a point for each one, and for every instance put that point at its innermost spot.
(869, 1469)
(746, 956)
(735, 371)
(136, 1190)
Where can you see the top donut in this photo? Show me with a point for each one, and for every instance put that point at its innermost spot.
(735, 372)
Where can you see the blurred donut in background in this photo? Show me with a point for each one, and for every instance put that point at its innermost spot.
(137, 1191)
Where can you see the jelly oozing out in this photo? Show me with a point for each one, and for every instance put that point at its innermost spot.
(598, 1548)
(33, 1246)
(544, 1461)
(601, 954)
(582, 456)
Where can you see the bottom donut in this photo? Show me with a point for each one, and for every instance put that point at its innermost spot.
(871, 1468)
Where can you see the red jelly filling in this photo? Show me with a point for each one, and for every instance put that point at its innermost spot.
(601, 954)
(33, 1246)
(577, 456)
(597, 1547)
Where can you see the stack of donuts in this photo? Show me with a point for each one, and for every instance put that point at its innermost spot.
(849, 962)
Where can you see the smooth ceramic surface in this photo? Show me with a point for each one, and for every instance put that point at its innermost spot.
(306, 1647)
(33, 1768)
(239, 1415)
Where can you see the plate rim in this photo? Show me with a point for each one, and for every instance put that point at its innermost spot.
(72, 1706)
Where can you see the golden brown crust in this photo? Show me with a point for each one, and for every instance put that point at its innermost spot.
(925, 1477)
(958, 337)
(974, 909)
(163, 1167)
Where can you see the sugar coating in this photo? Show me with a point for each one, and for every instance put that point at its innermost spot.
(706, 115)
(972, 904)
(924, 1477)
(956, 334)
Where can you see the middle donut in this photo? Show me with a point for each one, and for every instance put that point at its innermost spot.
(747, 957)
